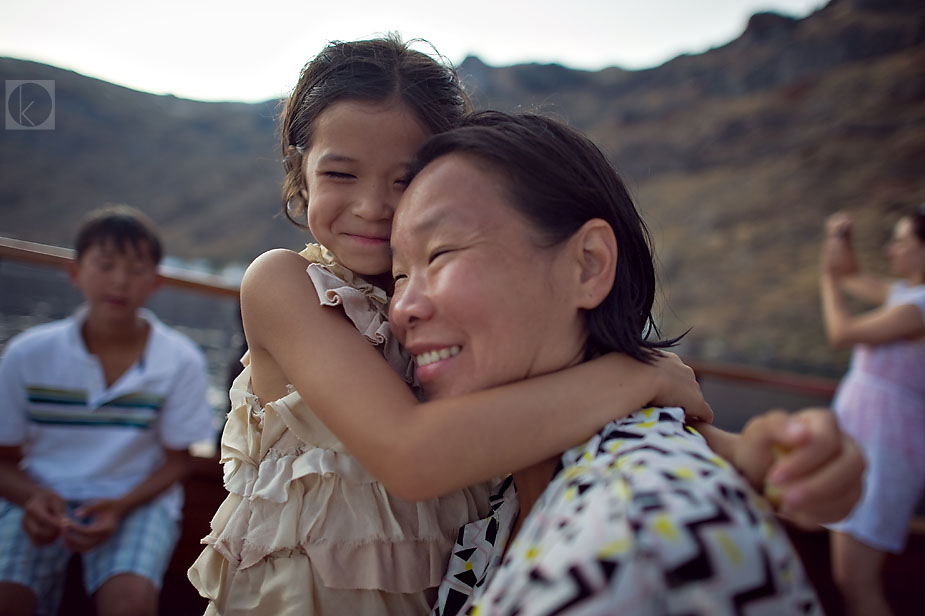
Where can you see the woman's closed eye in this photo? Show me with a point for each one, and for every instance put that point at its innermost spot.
(399, 275)
(439, 252)
(338, 175)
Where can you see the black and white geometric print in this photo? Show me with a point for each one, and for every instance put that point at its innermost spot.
(643, 518)
(478, 550)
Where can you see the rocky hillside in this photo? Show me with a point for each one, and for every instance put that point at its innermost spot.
(736, 156)
(207, 172)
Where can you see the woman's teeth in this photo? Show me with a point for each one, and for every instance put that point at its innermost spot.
(436, 355)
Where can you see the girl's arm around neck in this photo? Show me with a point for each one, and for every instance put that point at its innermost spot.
(422, 450)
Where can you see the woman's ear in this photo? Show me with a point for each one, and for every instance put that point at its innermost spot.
(596, 252)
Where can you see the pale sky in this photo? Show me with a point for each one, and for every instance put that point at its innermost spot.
(252, 51)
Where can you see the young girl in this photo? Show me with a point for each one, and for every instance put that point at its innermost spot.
(308, 527)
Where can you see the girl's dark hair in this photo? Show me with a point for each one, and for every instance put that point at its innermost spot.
(123, 227)
(377, 71)
(558, 180)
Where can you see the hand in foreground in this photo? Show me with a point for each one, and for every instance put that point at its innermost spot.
(102, 517)
(678, 386)
(44, 517)
(806, 465)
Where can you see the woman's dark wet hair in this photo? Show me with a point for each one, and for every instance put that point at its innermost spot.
(558, 180)
(376, 71)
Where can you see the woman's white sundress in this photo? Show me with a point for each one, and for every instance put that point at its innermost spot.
(881, 403)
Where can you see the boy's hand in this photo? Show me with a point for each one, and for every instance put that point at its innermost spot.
(677, 386)
(44, 516)
(102, 517)
(807, 466)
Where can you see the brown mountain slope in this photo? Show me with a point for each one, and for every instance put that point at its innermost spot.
(207, 172)
(735, 155)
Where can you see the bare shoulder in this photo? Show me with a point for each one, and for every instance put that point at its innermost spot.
(273, 284)
(274, 269)
(279, 300)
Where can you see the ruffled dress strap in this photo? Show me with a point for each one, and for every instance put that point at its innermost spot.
(365, 304)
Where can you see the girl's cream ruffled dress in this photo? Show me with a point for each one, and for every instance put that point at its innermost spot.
(305, 529)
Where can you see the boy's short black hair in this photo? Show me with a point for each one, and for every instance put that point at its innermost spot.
(122, 226)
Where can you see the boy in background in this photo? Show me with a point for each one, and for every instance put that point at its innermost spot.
(97, 412)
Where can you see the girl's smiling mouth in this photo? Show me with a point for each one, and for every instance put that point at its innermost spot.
(371, 240)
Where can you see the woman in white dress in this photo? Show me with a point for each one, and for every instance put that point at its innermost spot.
(880, 401)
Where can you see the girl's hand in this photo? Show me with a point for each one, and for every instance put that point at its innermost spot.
(806, 465)
(677, 385)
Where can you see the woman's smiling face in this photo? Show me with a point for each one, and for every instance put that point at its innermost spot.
(477, 300)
